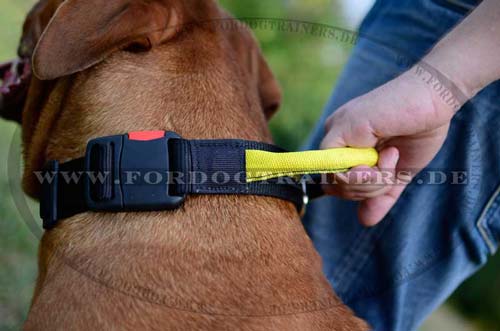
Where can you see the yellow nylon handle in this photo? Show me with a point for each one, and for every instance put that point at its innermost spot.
(262, 165)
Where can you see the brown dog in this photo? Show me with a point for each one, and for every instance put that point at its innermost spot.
(219, 262)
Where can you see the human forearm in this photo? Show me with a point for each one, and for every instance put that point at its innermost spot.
(469, 56)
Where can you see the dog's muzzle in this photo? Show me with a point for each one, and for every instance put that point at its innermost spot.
(15, 78)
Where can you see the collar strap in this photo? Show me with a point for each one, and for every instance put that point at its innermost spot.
(155, 170)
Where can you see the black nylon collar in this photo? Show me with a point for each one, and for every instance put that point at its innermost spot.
(126, 173)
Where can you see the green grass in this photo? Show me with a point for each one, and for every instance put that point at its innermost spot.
(12, 14)
(17, 244)
(17, 249)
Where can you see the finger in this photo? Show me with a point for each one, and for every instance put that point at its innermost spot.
(360, 175)
(388, 159)
(363, 195)
(352, 185)
(347, 181)
(332, 140)
(381, 177)
(356, 186)
(372, 211)
(385, 169)
(373, 181)
(356, 192)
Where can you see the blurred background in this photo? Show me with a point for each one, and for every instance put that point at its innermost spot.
(307, 68)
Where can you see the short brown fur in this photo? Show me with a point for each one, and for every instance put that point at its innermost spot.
(219, 262)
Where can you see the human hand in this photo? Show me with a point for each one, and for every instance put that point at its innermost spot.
(407, 121)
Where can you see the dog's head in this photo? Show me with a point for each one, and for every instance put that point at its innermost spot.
(84, 33)
(73, 35)
(15, 75)
(139, 65)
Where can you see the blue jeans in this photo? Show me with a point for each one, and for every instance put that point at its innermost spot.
(437, 235)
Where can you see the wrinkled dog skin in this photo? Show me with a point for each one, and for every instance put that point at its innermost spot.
(105, 67)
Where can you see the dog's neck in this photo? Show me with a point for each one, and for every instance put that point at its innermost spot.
(247, 241)
(234, 257)
(257, 244)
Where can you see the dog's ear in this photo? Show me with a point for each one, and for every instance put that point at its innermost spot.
(84, 32)
(269, 89)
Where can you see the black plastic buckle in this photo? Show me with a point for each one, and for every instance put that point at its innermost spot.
(125, 174)
(49, 209)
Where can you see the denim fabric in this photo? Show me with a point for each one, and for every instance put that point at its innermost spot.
(395, 274)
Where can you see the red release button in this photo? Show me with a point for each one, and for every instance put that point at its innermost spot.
(146, 135)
